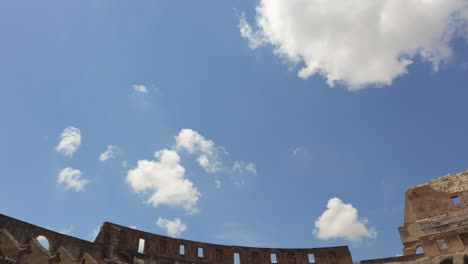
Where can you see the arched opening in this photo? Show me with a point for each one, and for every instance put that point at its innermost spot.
(419, 250)
(43, 241)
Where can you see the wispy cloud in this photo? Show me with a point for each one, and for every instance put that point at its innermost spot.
(207, 151)
(242, 167)
(109, 153)
(70, 141)
(72, 178)
(299, 152)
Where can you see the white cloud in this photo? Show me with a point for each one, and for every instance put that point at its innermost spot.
(218, 184)
(240, 170)
(340, 220)
(140, 88)
(71, 178)
(165, 180)
(300, 152)
(254, 38)
(358, 43)
(174, 228)
(70, 141)
(242, 167)
(109, 153)
(194, 143)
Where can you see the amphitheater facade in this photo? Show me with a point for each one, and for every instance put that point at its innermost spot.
(435, 230)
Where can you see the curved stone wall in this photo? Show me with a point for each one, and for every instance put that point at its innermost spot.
(120, 244)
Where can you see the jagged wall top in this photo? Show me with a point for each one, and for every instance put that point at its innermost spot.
(450, 183)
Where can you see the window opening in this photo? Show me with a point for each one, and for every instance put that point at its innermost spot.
(456, 200)
(43, 241)
(273, 258)
(419, 250)
(236, 258)
(182, 249)
(200, 252)
(311, 258)
(441, 244)
(141, 246)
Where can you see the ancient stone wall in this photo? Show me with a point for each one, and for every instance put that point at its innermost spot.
(120, 244)
(436, 216)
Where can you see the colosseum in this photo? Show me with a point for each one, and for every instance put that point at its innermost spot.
(435, 230)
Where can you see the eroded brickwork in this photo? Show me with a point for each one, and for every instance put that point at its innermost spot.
(436, 223)
(436, 216)
(119, 244)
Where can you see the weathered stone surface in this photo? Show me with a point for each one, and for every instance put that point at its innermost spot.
(436, 220)
(436, 216)
(119, 244)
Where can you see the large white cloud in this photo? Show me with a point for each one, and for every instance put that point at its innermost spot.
(341, 220)
(207, 151)
(165, 180)
(358, 43)
(174, 228)
(70, 141)
(71, 178)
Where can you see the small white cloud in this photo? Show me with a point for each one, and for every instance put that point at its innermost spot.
(341, 220)
(299, 152)
(242, 167)
(218, 184)
(359, 43)
(109, 153)
(71, 178)
(174, 228)
(250, 168)
(165, 180)
(140, 88)
(70, 141)
(194, 143)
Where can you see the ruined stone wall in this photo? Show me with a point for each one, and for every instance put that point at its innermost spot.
(120, 244)
(436, 216)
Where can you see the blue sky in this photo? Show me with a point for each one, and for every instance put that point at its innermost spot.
(297, 142)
